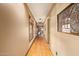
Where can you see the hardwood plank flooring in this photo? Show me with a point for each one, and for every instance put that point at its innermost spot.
(39, 48)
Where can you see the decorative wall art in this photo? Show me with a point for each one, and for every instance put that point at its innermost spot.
(68, 19)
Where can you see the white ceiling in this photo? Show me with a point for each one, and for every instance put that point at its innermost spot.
(40, 10)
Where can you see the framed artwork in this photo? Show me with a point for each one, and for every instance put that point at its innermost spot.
(68, 19)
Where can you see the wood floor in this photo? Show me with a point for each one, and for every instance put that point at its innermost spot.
(39, 48)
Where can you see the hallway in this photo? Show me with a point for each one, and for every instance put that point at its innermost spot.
(39, 48)
(39, 29)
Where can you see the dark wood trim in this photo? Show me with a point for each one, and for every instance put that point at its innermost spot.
(48, 31)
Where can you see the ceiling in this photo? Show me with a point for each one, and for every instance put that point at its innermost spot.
(40, 10)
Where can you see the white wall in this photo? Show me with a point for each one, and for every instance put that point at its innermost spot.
(64, 44)
(14, 29)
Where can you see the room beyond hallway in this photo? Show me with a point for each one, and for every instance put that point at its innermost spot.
(39, 48)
